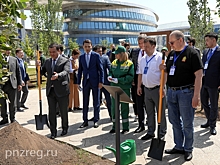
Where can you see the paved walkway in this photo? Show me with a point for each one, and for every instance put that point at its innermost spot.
(206, 151)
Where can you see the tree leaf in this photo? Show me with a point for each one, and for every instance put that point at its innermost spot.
(24, 0)
(19, 25)
(23, 16)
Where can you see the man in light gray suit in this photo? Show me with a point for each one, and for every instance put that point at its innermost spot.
(10, 88)
(57, 88)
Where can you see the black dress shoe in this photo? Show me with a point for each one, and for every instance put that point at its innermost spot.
(3, 121)
(147, 137)
(23, 106)
(174, 151)
(70, 110)
(12, 121)
(91, 119)
(124, 131)
(20, 110)
(139, 129)
(77, 108)
(84, 124)
(213, 131)
(112, 131)
(206, 125)
(188, 156)
(96, 125)
(53, 136)
(64, 132)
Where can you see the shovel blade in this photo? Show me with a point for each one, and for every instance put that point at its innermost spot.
(156, 149)
(40, 120)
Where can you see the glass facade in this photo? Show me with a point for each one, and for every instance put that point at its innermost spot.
(82, 23)
(116, 26)
(124, 13)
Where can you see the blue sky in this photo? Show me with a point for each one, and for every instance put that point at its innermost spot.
(169, 10)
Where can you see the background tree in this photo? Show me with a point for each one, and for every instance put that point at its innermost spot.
(27, 47)
(46, 23)
(105, 43)
(9, 11)
(73, 44)
(199, 20)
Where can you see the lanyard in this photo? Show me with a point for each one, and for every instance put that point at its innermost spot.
(176, 57)
(150, 59)
(209, 57)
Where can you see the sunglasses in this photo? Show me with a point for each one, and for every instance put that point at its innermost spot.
(172, 42)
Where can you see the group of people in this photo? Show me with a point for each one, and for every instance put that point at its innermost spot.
(187, 79)
(16, 83)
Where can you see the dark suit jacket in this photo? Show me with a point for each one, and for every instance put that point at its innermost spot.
(212, 74)
(15, 77)
(24, 74)
(62, 67)
(95, 70)
(106, 67)
(134, 57)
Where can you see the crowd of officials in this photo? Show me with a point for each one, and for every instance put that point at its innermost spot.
(188, 78)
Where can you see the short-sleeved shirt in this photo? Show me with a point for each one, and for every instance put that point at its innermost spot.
(152, 77)
(186, 65)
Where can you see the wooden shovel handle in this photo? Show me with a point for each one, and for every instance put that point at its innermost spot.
(161, 92)
(38, 74)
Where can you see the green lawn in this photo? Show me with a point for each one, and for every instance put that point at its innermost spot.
(33, 78)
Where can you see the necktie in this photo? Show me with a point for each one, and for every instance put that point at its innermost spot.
(87, 59)
(142, 53)
(210, 52)
(53, 65)
(23, 69)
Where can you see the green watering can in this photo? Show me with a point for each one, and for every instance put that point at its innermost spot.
(127, 151)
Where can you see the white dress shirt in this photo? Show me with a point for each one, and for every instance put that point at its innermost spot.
(152, 78)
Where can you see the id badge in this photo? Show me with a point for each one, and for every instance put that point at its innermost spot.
(172, 70)
(145, 70)
(206, 66)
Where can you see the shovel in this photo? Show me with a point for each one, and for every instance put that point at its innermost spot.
(40, 119)
(157, 145)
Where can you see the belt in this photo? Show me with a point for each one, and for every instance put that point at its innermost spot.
(158, 86)
(181, 88)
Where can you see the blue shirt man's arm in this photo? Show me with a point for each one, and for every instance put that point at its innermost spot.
(108, 64)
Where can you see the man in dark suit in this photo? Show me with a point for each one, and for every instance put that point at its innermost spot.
(10, 88)
(90, 66)
(21, 100)
(136, 55)
(57, 88)
(106, 68)
(211, 81)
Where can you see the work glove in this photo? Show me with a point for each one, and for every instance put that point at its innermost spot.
(115, 80)
(109, 78)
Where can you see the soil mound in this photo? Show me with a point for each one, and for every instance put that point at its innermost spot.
(20, 146)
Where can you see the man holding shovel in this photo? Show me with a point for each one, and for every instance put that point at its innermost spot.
(184, 77)
(57, 89)
(150, 76)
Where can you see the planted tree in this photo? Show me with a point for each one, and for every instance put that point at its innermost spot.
(9, 11)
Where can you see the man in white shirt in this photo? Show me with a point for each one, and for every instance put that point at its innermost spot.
(149, 75)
